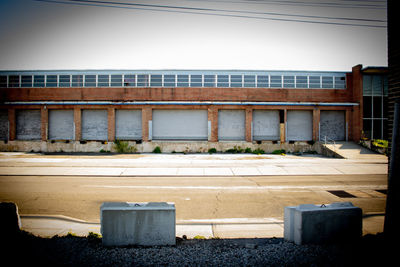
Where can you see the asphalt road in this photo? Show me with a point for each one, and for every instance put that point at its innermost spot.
(195, 197)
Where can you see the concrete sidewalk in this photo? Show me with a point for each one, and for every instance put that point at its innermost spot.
(187, 165)
(48, 226)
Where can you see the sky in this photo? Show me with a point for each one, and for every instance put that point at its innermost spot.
(328, 35)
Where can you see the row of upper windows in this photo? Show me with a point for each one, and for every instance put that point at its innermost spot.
(174, 80)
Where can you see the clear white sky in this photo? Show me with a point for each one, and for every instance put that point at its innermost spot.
(64, 34)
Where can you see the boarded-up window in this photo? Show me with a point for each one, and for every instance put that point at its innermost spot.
(299, 125)
(94, 125)
(28, 124)
(180, 125)
(61, 124)
(128, 124)
(231, 125)
(3, 124)
(266, 125)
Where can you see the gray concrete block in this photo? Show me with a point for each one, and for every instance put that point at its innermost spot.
(145, 224)
(317, 224)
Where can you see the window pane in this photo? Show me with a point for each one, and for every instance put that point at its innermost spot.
(367, 85)
(367, 128)
(90, 80)
(169, 80)
(288, 81)
(314, 81)
(38, 81)
(276, 81)
(3, 81)
(385, 85)
(26, 81)
(367, 107)
(51, 81)
(129, 80)
(195, 80)
(249, 81)
(183, 80)
(385, 130)
(13, 81)
(385, 107)
(64, 81)
(103, 81)
(301, 82)
(340, 82)
(327, 82)
(116, 80)
(77, 80)
(223, 80)
(156, 80)
(143, 80)
(377, 129)
(262, 81)
(209, 80)
(236, 80)
(377, 107)
(377, 85)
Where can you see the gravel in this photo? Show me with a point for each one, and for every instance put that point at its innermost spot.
(81, 251)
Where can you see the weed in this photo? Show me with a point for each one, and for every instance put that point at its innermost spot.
(123, 147)
(279, 151)
(235, 150)
(199, 237)
(212, 150)
(93, 236)
(157, 149)
(258, 151)
(248, 150)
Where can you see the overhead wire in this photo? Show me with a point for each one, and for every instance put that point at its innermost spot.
(296, 3)
(195, 10)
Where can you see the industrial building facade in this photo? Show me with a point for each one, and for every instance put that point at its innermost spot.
(68, 110)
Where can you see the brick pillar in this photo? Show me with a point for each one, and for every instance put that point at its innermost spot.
(316, 119)
(111, 124)
(147, 115)
(357, 84)
(347, 125)
(12, 128)
(282, 124)
(249, 123)
(44, 118)
(213, 118)
(78, 123)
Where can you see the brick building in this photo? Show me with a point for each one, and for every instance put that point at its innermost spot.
(193, 109)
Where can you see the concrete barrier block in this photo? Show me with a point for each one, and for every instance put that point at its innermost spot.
(145, 224)
(288, 231)
(322, 223)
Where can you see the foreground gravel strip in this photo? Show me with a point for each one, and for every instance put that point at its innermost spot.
(80, 251)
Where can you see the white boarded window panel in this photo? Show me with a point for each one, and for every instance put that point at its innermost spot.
(28, 124)
(231, 125)
(61, 124)
(180, 125)
(266, 125)
(3, 124)
(94, 125)
(299, 125)
(332, 125)
(128, 124)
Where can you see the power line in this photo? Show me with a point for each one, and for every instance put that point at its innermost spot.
(226, 10)
(299, 3)
(195, 10)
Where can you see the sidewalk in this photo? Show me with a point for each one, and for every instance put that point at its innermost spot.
(48, 226)
(188, 165)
